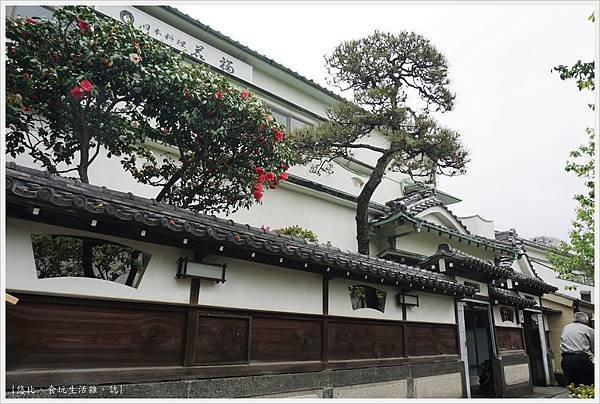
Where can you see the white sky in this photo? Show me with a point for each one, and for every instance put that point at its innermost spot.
(518, 119)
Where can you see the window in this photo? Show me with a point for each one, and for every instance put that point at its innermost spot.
(357, 182)
(281, 117)
(288, 120)
(71, 256)
(297, 124)
(507, 314)
(586, 295)
(29, 11)
(473, 285)
(367, 297)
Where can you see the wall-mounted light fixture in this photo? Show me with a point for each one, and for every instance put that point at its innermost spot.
(405, 299)
(199, 270)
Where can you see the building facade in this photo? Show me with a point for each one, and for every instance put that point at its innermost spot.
(117, 289)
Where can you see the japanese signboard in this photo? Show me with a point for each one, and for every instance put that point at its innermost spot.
(179, 40)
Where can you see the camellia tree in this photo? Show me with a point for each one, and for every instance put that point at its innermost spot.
(396, 80)
(80, 83)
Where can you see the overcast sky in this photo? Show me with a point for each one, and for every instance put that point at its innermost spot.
(518, 119)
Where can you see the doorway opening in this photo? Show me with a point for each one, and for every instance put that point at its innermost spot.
(479, 350)
(533, 345)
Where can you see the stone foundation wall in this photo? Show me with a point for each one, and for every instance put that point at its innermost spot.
(514, 377)
(427, 380)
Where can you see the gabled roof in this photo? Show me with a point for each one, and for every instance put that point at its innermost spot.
(548, 310)
(417, 202)
(409, 206)
(511, 236)
(469, 262)
(27, 188)
(510, 297)
(533, 282)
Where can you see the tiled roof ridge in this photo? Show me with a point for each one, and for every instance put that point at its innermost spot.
(485, 266)
(412, 204)
(182, 220)
(510, 296)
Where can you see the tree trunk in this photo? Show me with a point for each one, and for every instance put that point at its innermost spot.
(84, 156)
(87, 259)
(163, 192)
(362, 204)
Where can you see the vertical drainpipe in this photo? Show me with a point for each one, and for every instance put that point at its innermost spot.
(462, 340)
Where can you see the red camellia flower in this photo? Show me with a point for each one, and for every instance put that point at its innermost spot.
(245, 94)
(86, 85)
(25, 109)
(283, 176)
(261, 127)
(258, 194)
(83, 26)
(31, 20)
(165, 131)
(218, 95)
(270, 176)
(258, 186)
(261, 178)
(279, 135)
(77, 92)
(187, 94)
(259, 170)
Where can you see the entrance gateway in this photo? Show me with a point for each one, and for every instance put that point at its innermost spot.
(478, 348)
(533, 329)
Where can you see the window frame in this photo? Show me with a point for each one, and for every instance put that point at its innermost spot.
(131, 278)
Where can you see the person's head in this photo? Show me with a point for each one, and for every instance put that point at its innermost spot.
(580, 317)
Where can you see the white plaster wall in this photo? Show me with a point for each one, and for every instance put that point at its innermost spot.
(435, 220)
(251, 285)
(287, 92)
(498, 318)
(426, 243)
(442, 386)
(432, 308)
(516, 374)
(341, 179)
(158, 283)
(340, 304)
(248, 285)
(483, 287)
(479, 226)
(284, 207)
(440, 216)
(389, 389)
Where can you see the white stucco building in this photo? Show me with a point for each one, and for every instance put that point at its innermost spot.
(440, 305)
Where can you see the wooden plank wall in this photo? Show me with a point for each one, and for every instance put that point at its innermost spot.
(509, 338)
(46, 332)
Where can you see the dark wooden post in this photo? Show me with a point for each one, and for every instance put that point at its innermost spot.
(325, 322)
(194, 291)
(404, 331)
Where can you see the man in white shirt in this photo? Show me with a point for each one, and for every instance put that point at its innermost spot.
(577, 346)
